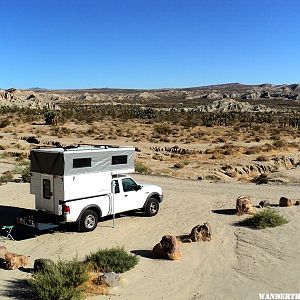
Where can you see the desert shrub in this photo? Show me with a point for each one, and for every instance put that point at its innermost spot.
(279, 144)
(60, 281)
(263, 219)
(112, 260)
(7, 176)
(262, 158)
(261, 179)
(162, 129)
(49, 116)
(178, 165)
(141, 168)
(4, 123)
(25, 173)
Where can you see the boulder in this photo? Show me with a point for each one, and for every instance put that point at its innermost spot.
(3, 251)
(201, 233)
(244, 205)
(40, 263)
(111, 279)
(284, 202)
(264, 203)
(15, 261)
(168, 248)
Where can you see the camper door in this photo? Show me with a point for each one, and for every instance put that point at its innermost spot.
(47, 198)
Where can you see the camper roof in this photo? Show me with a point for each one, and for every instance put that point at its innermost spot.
(82, 148)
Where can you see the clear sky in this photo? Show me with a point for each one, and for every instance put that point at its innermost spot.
(148, 43)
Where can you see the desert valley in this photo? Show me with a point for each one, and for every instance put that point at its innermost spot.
(205, 146)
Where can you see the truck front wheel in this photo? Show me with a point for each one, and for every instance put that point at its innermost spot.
(88, 221)
(152, 207)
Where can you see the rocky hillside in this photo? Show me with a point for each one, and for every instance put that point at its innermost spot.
(200, 97)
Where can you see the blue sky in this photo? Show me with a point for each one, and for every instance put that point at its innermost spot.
(148, 43)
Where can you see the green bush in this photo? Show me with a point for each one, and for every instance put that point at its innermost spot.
(112, 260)
(60, 281)
(4, 123)
(7, 176)
(263, 219)
(162, 129)
(141, 168)
(25, 173)
(261, 179)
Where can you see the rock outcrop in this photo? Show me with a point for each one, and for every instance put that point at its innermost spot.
(285, 202)
(15, 261)
(168, 248)
(244, 205)
(201, 233)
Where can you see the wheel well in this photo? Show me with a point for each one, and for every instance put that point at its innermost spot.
(155, 196)
(94, 208)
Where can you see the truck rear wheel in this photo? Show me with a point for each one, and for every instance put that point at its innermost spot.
(152, 207)
(88, 221)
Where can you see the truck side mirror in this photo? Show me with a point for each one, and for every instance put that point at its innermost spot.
(137, 187)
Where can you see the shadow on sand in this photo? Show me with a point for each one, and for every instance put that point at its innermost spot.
(18, 289)
(225, 211)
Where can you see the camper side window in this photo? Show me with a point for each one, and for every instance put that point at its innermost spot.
(82, 163)
(119, 160)
(46, 189)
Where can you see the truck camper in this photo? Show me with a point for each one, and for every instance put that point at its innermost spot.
(82, 184)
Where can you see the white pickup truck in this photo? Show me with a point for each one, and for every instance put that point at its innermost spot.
(83, 184)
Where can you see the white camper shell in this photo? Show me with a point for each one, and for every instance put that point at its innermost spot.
(82, 184)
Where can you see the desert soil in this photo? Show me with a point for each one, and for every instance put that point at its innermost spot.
(238, 263)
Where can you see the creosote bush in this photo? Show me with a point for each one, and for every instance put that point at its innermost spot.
(60, 281)
(141, 168)
(266, 218)
(112, 260)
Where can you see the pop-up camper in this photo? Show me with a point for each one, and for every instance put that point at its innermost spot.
(83, 184)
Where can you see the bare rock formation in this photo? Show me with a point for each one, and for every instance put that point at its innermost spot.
(40, 263)
(284, 202)
(15, 261)
(168, 248)
(3, 251)
(264, 203)
(201, 233)
(244, 205)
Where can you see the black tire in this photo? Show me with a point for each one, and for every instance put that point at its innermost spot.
(152, 207)
(88, 221)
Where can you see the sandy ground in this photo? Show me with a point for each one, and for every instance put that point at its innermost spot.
(238, 263)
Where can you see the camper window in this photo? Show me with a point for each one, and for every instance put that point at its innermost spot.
(119, 160)
(82, 163)
(46, 189)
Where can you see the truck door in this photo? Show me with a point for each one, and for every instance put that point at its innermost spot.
(130, 198)
(47, 198)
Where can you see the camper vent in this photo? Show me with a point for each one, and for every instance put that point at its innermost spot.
(82, 163)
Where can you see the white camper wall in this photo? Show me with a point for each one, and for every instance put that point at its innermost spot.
(35, 188)
(87, 185)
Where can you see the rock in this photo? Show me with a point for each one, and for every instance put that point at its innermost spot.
(264, 203)
(3, 251)
(297, 202)
(283, 202)
(15, 261)
(168, 248)
(244, 205)
(40, 263)
(201, 233)
(112, 279)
